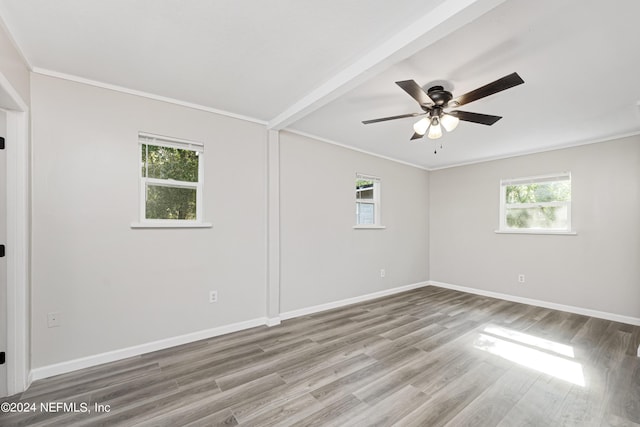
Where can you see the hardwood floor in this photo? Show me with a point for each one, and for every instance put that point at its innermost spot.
(428, 357)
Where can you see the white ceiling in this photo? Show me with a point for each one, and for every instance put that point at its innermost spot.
(321, 68)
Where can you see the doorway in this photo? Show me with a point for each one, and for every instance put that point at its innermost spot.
(14, 234)
(3, 260)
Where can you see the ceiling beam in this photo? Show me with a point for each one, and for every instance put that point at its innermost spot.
(426, 30)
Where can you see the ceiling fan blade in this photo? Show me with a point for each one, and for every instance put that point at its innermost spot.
(384, 119)
(483, 119)
(499, 85)
(416, 136)
(415, 91)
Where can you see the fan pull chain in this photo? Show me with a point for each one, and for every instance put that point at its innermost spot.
(435, 147)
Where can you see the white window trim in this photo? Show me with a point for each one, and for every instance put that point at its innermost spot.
(183, 144)
(504, 229)
(376, 201)
(173, 224)
(369, 227)
(537, 232)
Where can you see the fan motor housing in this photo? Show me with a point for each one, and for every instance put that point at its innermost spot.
(439, 96)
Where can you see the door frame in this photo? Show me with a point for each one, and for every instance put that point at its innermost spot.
(18, 237)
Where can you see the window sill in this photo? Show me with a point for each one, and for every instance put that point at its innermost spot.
(369, 227)
(542, 232)
(170, 225)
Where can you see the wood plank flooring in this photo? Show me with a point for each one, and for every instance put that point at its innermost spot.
(427, 357)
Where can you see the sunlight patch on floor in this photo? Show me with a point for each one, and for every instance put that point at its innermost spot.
(532, 352)
(541, 343)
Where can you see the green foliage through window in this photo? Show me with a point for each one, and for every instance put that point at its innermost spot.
(557, 191)
(170, 202)
(170, 176)
(539, 203)
(169, 163)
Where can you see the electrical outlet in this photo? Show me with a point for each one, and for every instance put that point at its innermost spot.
(520, 278)
(383, 273)
(53, 320)
(213, 296)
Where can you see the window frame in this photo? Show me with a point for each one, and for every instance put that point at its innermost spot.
(504, 228)
(376, 202)
(149, 139)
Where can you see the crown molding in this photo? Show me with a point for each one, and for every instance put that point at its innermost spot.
(563, 146)
(348, 147)
(109, 86)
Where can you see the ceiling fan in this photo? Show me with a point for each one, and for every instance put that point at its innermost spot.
(436, 100)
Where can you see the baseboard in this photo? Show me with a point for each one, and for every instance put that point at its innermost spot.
(112, 356)
(273, 321)
(29, 380)
(336, 304)
(546, 304)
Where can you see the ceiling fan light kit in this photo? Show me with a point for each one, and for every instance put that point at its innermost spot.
(421, 126)
(436, 99)
(435, 131)
(449, 122)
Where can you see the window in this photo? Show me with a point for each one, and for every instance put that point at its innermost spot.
(171, 176)
(367, 201)
(540, 204)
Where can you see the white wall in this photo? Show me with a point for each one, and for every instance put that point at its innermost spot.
(118, 287)
(115, 286)
(13, 67)
(323, 259)
(598, 269)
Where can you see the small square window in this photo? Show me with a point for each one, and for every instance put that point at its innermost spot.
(171, 176)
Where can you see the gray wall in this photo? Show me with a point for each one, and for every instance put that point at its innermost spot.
(323, 259)
(597, 269)
(115, 286)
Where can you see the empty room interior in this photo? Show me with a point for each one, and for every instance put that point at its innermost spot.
(278, 213)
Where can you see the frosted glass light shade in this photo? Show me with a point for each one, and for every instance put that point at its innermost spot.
(421, 126)
(449, 122)
(435, 131)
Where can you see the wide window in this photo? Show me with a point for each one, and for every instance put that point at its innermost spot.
(171, 175)
(367, 201)
(536, 204)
